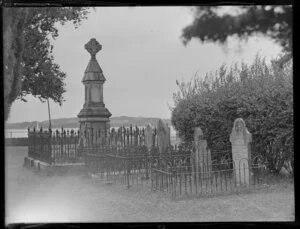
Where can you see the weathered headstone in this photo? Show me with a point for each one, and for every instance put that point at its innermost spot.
(240, 139)
(149, 137)
(149, 143)
(112, 137)
(201, 158)
(163, 137)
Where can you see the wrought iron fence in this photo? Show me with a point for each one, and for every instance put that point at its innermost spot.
(58, 147)
(128, 165)
(224, 178)
(128, 161)
(122, 156)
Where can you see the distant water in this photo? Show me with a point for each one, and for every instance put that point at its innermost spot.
(23, 133)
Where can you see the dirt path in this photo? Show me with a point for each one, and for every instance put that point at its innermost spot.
(31, 197)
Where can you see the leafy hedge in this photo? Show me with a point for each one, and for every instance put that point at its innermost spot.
(261, 94)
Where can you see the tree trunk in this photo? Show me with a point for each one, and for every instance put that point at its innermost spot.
(13, 44)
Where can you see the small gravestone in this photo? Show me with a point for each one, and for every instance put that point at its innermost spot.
(240, 139)
(149, 137)
(201, 158)
(163, 137)
(112, 137)
(149, 143)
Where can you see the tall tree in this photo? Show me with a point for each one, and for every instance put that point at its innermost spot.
(37, 73)
(211, 24)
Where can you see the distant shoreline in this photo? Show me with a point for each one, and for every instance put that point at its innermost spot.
(74, 122)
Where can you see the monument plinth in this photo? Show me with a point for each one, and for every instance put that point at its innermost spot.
(94, 115)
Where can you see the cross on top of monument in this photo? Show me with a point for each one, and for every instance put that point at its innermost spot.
(93, 47)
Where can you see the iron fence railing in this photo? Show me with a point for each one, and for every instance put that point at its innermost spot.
(122, 156)
(172, 171)
(182, 182)
(59, 147)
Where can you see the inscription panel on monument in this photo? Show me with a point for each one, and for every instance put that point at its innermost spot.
(95, 93)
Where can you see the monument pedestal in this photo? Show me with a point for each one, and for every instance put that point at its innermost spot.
(96, 118)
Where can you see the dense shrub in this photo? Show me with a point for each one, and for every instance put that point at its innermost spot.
(261, 94)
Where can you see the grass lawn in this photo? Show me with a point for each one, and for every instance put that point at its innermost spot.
(33, 197)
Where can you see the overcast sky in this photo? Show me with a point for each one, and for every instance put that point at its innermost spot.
(141, 58)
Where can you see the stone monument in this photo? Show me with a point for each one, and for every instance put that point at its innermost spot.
(240, 139)
(94, 116)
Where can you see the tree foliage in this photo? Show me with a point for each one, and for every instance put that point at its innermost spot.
(212, 26)
(261, 94)
(28, 59)
(41, 76)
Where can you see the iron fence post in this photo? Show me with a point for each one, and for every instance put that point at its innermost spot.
(41, 154)
(127, 168)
